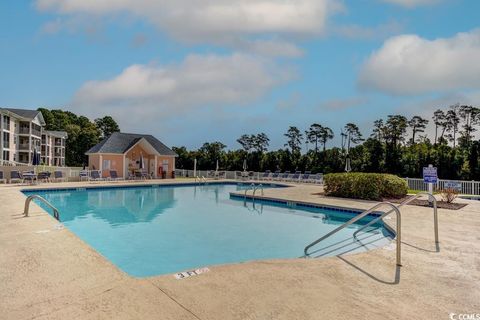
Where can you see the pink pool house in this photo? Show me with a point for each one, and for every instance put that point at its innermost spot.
(122, 152)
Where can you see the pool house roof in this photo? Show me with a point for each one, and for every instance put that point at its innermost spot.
(120, 143)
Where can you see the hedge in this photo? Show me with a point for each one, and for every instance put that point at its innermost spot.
(367, 186)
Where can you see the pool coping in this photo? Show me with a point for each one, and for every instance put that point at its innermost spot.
(143, 184)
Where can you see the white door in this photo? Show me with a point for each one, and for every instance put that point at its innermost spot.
(151, 166)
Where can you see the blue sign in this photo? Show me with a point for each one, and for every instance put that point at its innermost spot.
(453, 185)
(430, 175)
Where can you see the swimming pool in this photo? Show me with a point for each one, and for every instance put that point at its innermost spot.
(153, 230)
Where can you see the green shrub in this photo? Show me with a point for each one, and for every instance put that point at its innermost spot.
(368, 186)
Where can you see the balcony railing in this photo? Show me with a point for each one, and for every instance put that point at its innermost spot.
(24, 146)
(25, 130)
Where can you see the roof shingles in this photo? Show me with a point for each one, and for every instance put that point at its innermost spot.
(121, 142)
(24, 113)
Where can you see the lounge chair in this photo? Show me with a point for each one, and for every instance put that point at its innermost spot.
(95, 176)
(306, 176)
(58, 176)
(238, 175)
(265, 175)
(83, 175)
(222, 175)
(44, 176)
(114, 176)
(242, 175)
(16, 176)
(295, 177)
(211, 174)
(284, 176)
(2, 179)
(142, 174)
(275, 175)
(318, 178)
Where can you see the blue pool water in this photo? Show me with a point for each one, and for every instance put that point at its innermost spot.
(148, 231)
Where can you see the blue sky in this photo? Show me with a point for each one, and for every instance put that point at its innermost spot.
(191, 71)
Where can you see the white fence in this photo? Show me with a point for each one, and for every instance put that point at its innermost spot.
(250, 175)
(206, 173)
(69, 173)
(468, 187)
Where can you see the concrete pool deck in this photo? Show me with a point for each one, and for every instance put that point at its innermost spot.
(47, 272)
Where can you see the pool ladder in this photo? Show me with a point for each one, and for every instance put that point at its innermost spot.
(253, 187)
(407, 201)
(360, 216)
(395, 209)
(56, 214)
(201, 179)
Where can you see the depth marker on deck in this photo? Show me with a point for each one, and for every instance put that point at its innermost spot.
(187, 274)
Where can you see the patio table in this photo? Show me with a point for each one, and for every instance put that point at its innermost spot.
(29, 176)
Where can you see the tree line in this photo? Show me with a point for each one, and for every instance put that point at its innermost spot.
(397, 145)
(82, 132)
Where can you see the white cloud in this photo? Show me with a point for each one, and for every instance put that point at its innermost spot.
(411, 3)
(269, 48)
(409, 64)
(199, 82)
(195, 20)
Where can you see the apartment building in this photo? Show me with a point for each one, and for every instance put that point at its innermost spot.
(53, 148)
(21, 134)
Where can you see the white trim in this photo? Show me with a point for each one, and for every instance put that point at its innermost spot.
(103, 153)
(30, 144)
(100, 164)
(125, 168)
(1, 138)
(143, 139)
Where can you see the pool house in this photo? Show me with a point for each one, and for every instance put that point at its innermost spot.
(128, 153)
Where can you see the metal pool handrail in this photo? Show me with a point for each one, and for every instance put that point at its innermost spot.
(56, 214)
(418, 195)
(250, 187)
(201, 179)
(255, 188)
(360, 216)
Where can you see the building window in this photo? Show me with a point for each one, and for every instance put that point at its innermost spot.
(106, 164)
(6, 123)
(6, 155)
(6, 140)
(165, 165)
